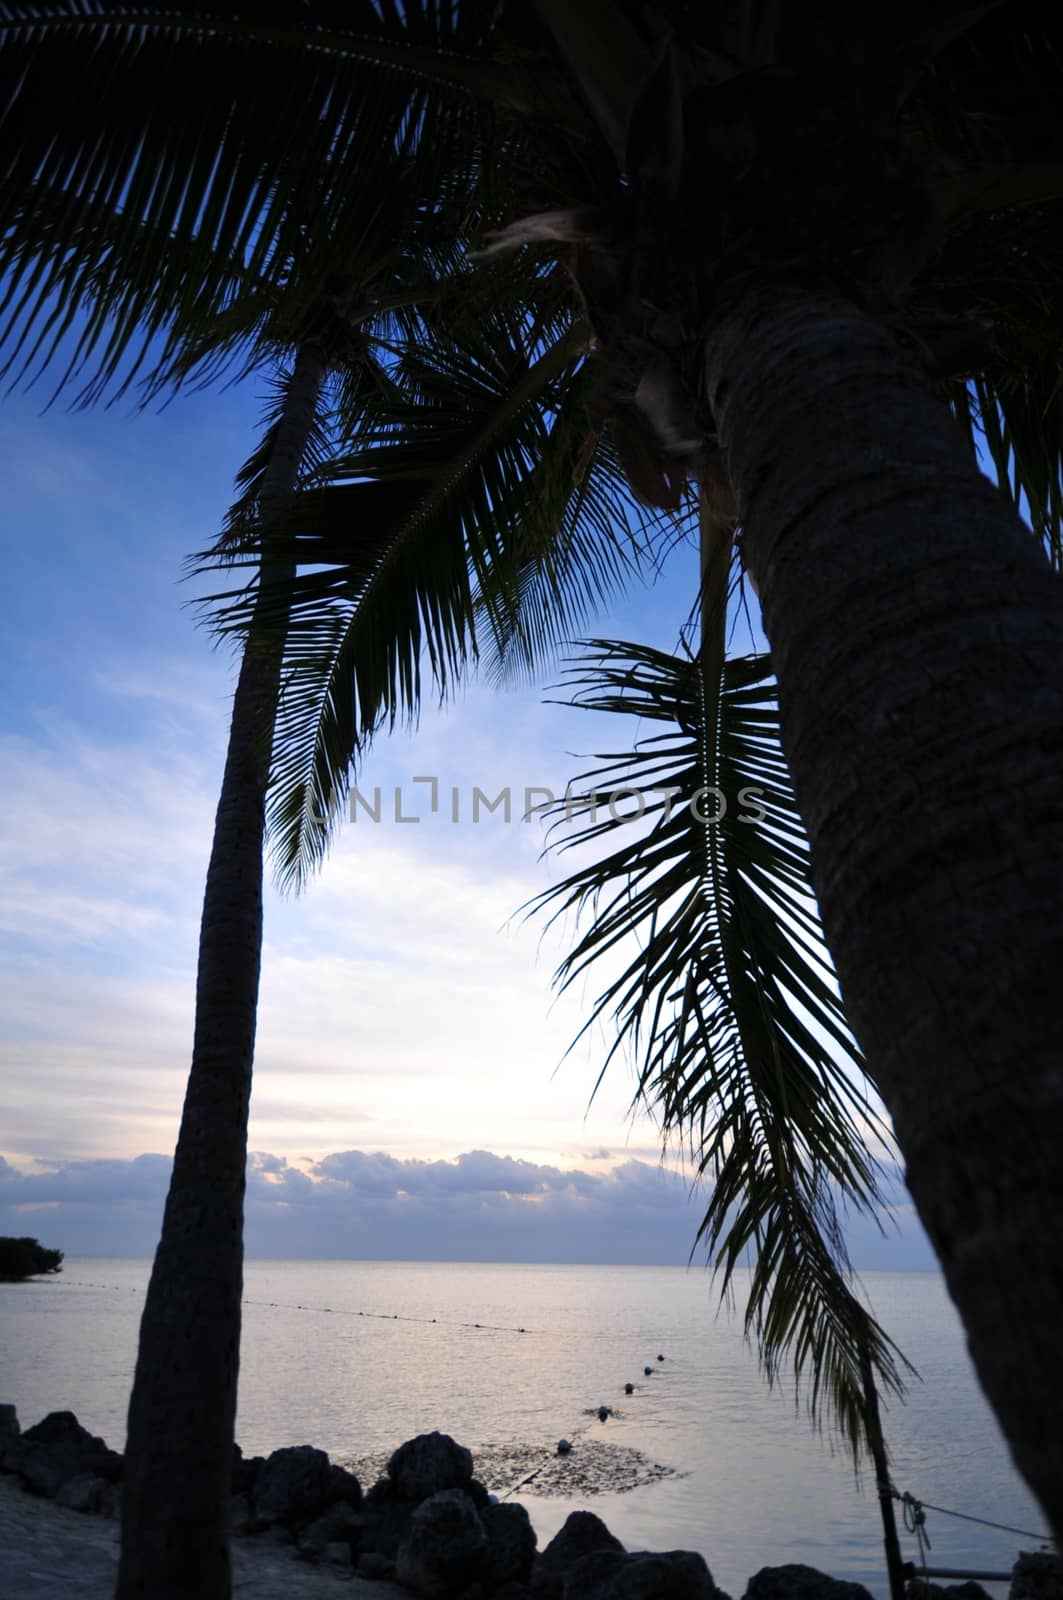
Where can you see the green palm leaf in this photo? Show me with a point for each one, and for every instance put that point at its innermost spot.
(450, 515)
(192, 150)
(718, 985)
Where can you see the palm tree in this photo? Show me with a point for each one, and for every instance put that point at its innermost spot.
(165, 232)
(794, 243)
(916, 630)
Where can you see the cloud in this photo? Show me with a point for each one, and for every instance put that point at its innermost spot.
(371, 1205)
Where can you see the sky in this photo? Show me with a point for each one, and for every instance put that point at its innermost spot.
(414, 1096)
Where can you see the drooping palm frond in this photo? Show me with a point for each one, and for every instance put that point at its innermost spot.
(699, 916)
(454, 504)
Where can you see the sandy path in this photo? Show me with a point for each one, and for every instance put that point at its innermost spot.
(48, 1553)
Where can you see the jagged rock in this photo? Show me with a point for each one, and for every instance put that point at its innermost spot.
(245, 1471)
(343, 1488)
(240, 1517)
(293, 1485)
(371, 1564)
(645, 1575)
(57, 1449)
(385, 1520)
(1037, 1575)
(340, 1524)
(111, 1502)
(477, 1493)
(10, 1431)
(85, 1492)
(511, 1543)
(429, 1464)
(581, 1534)
(796, 1582)
(445, 1548)
(920, 1589)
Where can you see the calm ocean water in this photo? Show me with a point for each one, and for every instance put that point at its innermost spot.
(754, 1486)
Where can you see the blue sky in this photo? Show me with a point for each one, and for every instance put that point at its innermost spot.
(407, 1015)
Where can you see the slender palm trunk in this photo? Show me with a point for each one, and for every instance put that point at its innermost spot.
(175, 1505)
(917, 634)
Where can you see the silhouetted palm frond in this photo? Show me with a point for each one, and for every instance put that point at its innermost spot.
(697, 911)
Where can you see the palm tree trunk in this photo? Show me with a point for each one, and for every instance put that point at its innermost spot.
(175, 1505)
(917, 634)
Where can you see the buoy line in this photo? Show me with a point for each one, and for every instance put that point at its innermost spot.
(564, 1446)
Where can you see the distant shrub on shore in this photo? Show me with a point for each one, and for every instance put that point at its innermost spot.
(25, 1258)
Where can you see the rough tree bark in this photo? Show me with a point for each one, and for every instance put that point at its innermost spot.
(175, 1503)
(917, 634)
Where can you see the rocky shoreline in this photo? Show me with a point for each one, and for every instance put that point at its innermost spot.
(427, 1525)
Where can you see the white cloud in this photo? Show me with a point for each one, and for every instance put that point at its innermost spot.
(372, 1205)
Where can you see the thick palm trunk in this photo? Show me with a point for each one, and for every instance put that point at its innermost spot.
(917, 634)
(175, 1505)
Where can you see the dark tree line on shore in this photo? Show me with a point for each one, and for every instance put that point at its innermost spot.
(26, 1258)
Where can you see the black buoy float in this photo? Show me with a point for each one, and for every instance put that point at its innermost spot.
(629, 1388)
(603, 1412)
(563, 1447)
(660, 1358)
(648, 1371)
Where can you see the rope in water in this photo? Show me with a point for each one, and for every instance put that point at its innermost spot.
(391, 1316)
(340, 1311)
(915, 1519)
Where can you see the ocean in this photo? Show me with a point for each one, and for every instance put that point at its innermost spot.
(358, 1356)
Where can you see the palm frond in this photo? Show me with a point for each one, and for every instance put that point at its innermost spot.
(198, 156)
(428, 525)
(717, 983)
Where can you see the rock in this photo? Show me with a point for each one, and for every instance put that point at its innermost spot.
(1037, 1575)
(371, 1564)
(240, 1518)
(85, 1492)
(511, 1543)
(57, 1449)
(44, 1469)
(245, 1471)
(340, 1524)
(385, 1519)
(111, 1502)
(337, 1554)
(10, 1431)
(665, 1575)
(109, 1465)
(796, 1582)
(446, 1546)
(292, 1485)
(429, 1464)
(62, 1427)
(477, 1493)
(343, 1488)
(581, 1534)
